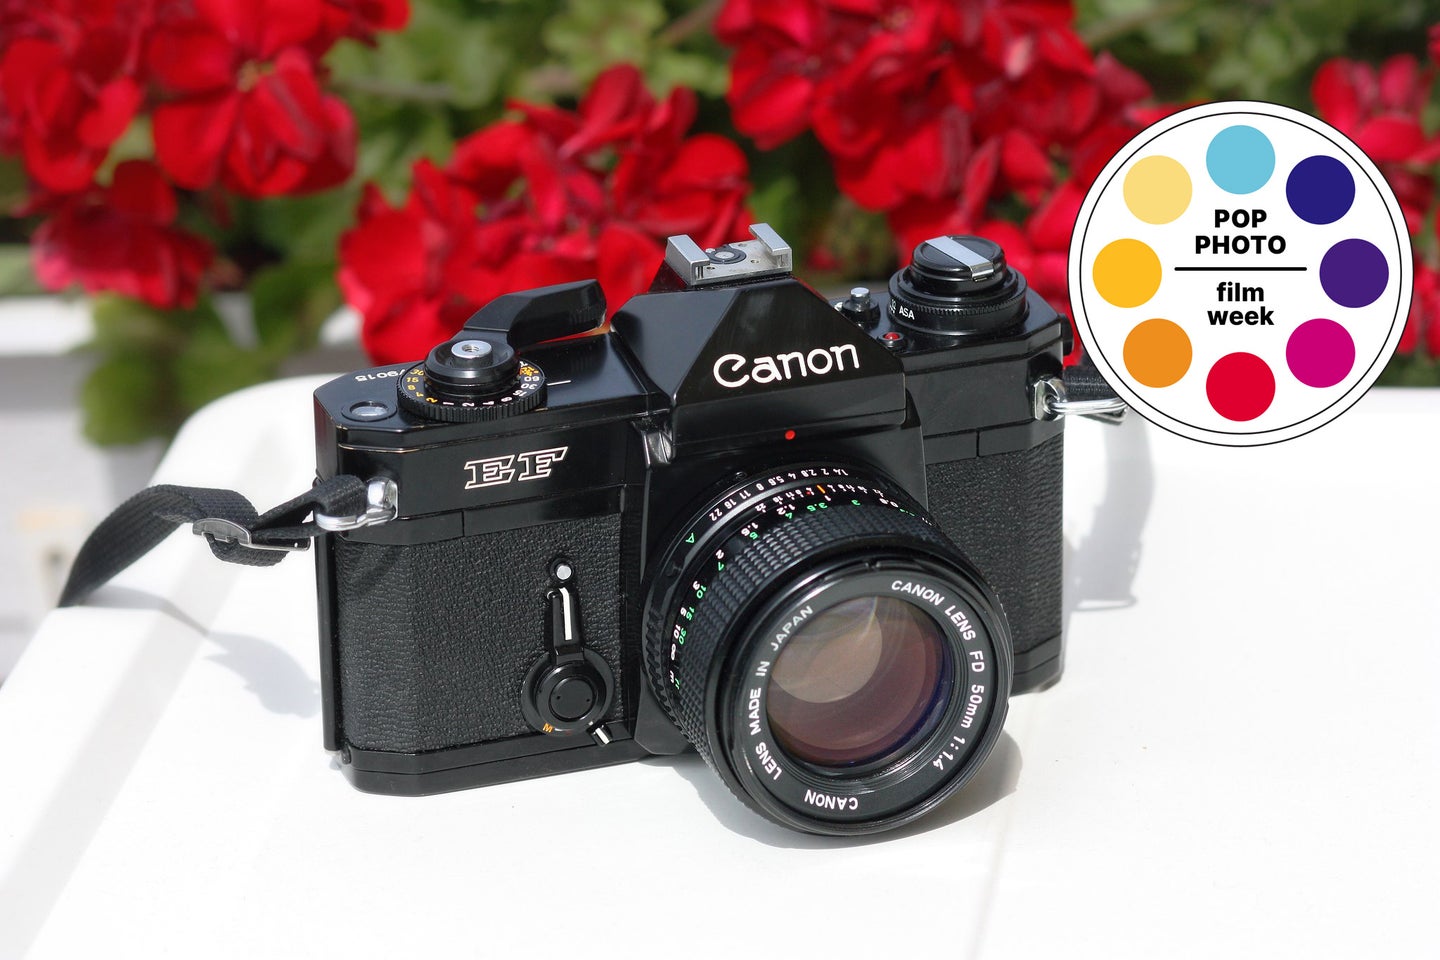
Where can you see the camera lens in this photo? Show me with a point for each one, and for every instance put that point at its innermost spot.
(858, 683)
(830, 653)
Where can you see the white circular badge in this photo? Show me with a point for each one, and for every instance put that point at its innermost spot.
(1242, 273)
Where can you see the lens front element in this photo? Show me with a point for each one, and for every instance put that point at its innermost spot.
(858, 683)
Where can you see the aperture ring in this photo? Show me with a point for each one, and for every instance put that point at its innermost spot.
(727, 521)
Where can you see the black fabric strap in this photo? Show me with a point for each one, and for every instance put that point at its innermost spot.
(1083, 381)
(139, 524)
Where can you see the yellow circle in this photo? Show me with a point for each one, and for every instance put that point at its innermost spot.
(1126, 273)
(1157, 353)
(1157, 189)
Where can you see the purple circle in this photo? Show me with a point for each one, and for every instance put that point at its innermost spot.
(1354, 273)
(1320, 189)
(1320, 353)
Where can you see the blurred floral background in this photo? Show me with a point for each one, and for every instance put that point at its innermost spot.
(414, 158)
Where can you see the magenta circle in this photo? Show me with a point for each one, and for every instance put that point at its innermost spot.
(1320, 353)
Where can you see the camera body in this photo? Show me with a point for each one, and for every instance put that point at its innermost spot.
(546, 489)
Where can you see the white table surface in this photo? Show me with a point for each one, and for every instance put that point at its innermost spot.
(1243, 758)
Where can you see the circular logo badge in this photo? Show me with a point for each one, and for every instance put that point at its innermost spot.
(1241, 272)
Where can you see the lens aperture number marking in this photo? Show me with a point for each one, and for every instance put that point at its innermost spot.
(765, 503)
(957, 744)
(974, 703)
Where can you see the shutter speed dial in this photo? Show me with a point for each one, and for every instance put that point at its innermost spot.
(478, 375)
(472, 377)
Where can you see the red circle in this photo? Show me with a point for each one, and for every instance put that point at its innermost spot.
(892, 335)
(1240, 386)
(789, 434)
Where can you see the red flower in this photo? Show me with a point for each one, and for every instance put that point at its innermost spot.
(551, 196)
(121, 238)
(929, 109)
(359, 20)
(1422, 325)
(68, 87)
(413, 272)
(781, 52)
(1381, 111)
(247, 109)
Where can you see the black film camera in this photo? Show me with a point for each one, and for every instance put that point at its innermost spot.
(820, 542)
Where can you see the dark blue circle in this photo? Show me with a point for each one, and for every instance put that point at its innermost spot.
(1320, 189)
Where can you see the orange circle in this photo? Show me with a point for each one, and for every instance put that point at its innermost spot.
(1126, 273)
(1157, 353)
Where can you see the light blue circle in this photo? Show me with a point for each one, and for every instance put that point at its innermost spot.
(1240, 159)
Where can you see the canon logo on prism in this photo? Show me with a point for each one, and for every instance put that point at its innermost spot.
(734, 370)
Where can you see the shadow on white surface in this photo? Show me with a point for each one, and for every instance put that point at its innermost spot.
(140, 687)
(1100, 568)
(994, 781)
(270, 673)
(275, 677)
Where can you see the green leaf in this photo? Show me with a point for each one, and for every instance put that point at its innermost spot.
(1191, 50)
(306, 227)
(136, 143)
(1411, 370)
(212, 365)
(387, 154)
(445, 57)
(777, 203)
(706, 74)
(124, 324)
(17, 277)
(156, 367)
(586, 36)
(291, 301)
(124, 400)
(14, 185)
(590, 35)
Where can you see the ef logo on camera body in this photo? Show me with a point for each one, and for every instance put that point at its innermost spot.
(512, 467)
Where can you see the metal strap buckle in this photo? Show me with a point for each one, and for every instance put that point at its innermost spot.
(1051, 401)
(382, 505)
(228, 531)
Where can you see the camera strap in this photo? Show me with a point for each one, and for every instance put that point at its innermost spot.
(235, 530)
(1080, 392)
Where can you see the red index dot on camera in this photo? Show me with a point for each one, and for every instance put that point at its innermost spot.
(1240, 386)
(789, 434)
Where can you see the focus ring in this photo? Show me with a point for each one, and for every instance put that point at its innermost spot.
(763, 563)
